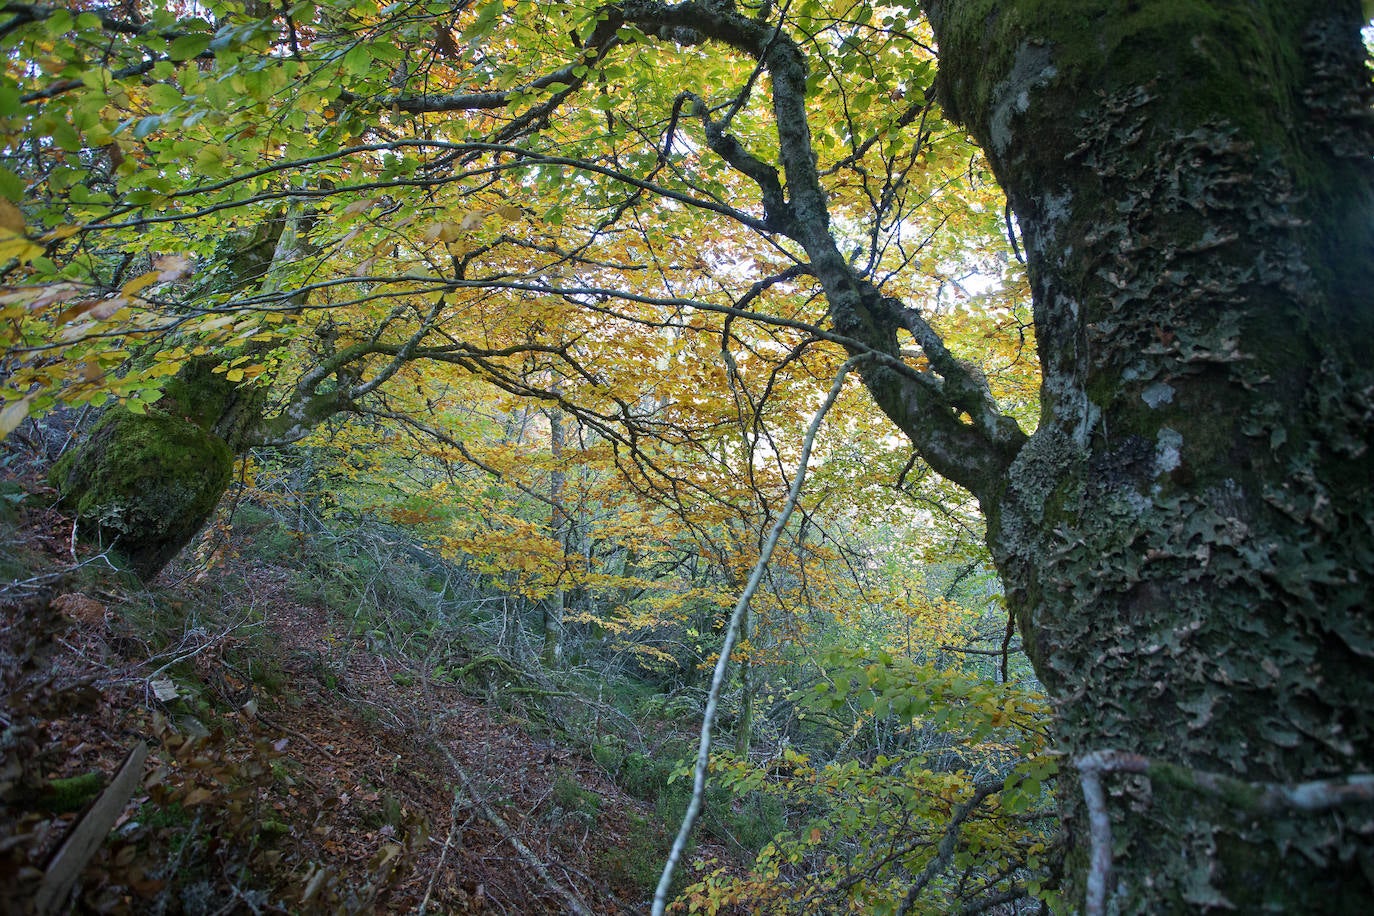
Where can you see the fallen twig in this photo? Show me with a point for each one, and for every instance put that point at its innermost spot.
(571, 901)
(273, 724)
(454, 828)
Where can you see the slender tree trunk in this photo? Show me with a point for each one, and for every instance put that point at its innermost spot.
(1188, 538)
(744, 728)
(555, 603)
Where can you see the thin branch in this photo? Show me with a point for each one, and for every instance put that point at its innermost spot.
(519, 158)
(967, 651)
(1253, 798)
(455, 828)
(732, 634)
(948, 843)
(1100, 832)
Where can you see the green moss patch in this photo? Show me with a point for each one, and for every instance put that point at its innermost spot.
(147, 481)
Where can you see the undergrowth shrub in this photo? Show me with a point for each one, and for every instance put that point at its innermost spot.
(639, 862)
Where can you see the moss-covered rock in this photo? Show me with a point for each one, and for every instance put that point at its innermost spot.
(148, 482)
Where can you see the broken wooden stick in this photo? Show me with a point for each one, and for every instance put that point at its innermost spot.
(88, 833)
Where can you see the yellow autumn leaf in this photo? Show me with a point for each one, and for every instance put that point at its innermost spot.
(11, 219)
(219, 321)
(443, 232)
(139, 283)
(14, 414)
(13, 245)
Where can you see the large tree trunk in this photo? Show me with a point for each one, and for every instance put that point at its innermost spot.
(147, 482)
(1188, 538)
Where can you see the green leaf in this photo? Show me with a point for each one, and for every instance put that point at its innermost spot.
(146, 126)
(9, 101)
(385, 51)
(144, 197)
(66, 137)
(188, 46)
(12, 187)
(358, 61)
(210, 162)
(483, 23)
(58, 23)
(165, 97)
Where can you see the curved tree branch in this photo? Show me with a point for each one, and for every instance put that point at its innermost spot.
(973, 452)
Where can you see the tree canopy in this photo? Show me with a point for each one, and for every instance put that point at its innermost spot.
(518, 194)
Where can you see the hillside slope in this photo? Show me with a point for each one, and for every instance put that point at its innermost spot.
(297, 765)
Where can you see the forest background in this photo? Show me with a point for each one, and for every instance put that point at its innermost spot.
(602, 322)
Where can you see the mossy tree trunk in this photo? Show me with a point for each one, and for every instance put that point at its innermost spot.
(145, 483)
(1188, 538)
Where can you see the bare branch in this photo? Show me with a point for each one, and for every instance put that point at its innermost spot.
(732, 632)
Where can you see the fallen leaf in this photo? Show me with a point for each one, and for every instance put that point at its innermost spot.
(164, 689)
(196, 797)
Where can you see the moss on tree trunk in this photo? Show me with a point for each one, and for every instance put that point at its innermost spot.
(147, 483)
(1188, 538)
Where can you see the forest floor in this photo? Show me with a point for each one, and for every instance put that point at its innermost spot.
(296, 766)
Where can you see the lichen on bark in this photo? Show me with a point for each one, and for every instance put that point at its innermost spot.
(1186, 537)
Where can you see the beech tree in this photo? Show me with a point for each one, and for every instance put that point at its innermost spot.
(1186, 536)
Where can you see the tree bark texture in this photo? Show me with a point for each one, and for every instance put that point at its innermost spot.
(1187, 540)
(144, 484)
